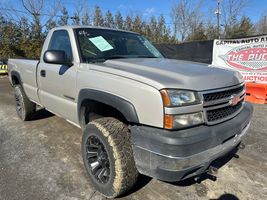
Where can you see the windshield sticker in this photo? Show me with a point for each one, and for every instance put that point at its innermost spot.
(84, 33)
(101, 43)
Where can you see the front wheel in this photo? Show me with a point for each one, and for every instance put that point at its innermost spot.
(24, 107)
(108, 156)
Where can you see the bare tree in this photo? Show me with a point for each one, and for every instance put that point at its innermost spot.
(98, 17)
(76, 19)
(41, 11)
(86, 18)
(137, 24)
(128, 23)
(231, 11)
(109, 20)
(153, 26)
(118, 20)
(261, 25)
(185, 16)
(40, 15)
(35, 8)
(81, 13)
(64, 17)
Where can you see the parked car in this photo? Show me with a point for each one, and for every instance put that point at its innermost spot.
(3, 67)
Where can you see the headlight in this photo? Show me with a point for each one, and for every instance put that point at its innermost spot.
(172, 98)
(183, 121)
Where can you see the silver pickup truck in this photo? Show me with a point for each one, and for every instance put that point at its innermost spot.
(139, 112)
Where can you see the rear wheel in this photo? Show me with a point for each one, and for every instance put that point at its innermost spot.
(24, 107)
(108, 156)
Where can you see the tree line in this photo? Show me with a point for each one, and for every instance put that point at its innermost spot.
(23, 36)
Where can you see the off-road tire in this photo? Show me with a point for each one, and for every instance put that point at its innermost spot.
(116, 140)
(24, 107)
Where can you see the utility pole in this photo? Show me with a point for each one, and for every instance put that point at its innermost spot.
(264, 25)
(218, 13)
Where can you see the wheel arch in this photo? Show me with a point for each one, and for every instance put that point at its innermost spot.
(15, 78)
(99, 99)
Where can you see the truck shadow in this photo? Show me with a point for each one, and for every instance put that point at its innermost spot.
(141, 182)
(144, 180)
(216, 164)
(41, 114)
(227, 197)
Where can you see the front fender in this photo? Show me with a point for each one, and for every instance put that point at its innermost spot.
(125, 107)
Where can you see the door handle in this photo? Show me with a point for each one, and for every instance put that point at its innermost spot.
(43, 73)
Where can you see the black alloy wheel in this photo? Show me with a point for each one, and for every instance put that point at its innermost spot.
(24, 107)
(98, 160)
(19, 104)
(108, 156)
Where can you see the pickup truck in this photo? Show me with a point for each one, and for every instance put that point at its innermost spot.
(139, 111)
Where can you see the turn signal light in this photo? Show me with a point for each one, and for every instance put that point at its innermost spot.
(165, 98)
(168, 121)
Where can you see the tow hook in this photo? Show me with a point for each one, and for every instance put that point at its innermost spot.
(236, 156)
(211, 172)
(242, 146)
(197, 179)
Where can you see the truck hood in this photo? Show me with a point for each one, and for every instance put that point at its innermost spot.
(168, 73)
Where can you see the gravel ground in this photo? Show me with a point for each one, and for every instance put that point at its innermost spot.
(41, 159)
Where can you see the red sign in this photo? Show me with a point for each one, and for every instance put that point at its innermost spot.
(247, 58)
(246, 55)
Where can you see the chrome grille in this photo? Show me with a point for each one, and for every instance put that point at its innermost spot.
(223, 104)
(221, 113)
(222, 94)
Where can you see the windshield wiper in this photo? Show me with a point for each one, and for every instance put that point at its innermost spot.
(116, 57)
(145, 56)
(129, 56)
(97, 60)
(119, 57)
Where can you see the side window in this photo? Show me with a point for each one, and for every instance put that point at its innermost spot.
(60, 41)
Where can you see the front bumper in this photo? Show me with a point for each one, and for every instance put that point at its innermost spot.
(177, 155)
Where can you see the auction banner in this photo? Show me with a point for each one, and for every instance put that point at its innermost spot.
(247, 55)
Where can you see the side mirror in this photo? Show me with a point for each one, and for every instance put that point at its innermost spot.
(56, 57)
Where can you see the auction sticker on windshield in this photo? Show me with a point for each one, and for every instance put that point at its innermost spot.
(101, 43)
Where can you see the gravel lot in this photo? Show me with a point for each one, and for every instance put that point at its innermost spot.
(41, 159)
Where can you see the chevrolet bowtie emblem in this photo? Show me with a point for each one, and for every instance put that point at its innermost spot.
(234, 100)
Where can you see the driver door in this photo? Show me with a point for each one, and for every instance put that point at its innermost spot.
(57, 83)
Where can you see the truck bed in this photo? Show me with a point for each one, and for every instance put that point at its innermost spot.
(26, 68)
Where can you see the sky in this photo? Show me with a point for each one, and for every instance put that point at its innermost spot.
(254, 8)
(146, 8)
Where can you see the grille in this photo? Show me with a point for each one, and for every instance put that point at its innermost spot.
(223, 94)
(220, 113)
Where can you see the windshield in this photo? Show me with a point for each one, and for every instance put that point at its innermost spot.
(99, 45)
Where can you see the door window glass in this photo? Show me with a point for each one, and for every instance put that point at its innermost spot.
(60, 41)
